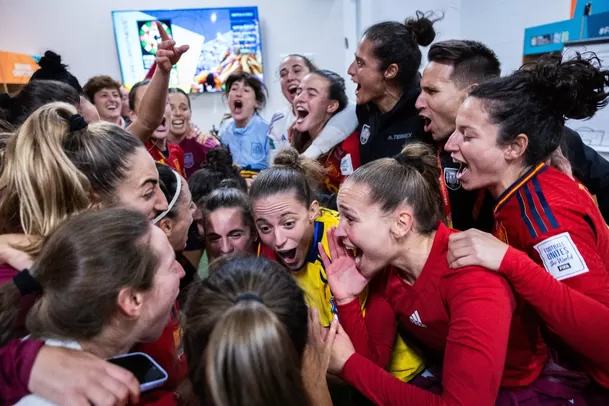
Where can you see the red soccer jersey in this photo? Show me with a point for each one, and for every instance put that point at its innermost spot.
(556, 222)
(341, 162)
(467, 317)
(173, 157)
(168, 350)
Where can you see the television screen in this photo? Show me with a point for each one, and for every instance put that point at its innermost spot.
(222, 41)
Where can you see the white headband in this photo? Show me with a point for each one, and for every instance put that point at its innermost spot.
(173, 199)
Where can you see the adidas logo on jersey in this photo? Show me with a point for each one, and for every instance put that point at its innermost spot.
(416, 319)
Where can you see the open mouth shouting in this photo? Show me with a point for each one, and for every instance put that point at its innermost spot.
(163, 127)
(355, 252)
(301, 114)
(238, 106)
(293, 88)
(426, 123)
(463, 168)
(288, 257)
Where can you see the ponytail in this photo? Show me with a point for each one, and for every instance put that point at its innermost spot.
(245, 335)
(412, 177)
(55, 165)
(39, 181)
(250, 341)
(290, 173)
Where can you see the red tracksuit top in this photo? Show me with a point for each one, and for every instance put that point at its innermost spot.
(464, 316)
(174, 158)
(555, 221)
(341, 162)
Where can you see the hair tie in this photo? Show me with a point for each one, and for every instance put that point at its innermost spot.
(6, 101)
(25, 282)
(249, 297)
(174, 199)
(77, 123)
(416, 163)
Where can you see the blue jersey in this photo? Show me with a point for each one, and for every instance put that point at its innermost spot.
(248, 145)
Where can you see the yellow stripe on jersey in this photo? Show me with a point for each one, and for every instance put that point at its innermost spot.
(405, 364)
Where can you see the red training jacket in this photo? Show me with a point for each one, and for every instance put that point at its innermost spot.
(469, 317)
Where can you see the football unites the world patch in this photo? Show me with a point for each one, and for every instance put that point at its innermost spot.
(560, 257)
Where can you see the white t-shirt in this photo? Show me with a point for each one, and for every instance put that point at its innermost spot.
(340, 126)
(35, 400)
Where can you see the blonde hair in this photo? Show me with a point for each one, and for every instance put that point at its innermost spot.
(40, 184)
(51, 172)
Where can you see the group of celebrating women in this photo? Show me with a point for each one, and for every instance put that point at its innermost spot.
(313, 259)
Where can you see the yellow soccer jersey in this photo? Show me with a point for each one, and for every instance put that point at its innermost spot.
(404, 363)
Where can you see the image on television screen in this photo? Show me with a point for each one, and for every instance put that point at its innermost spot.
(222, 41)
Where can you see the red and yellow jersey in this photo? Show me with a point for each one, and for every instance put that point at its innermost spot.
(174, 157)
(405, 363)
(341, 162)
(555, 220)
(557, 223)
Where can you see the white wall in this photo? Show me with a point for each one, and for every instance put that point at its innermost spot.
(374, 11)
(500, 24)
(81, 32)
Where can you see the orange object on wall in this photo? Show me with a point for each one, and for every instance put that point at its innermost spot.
(16, 69)
(573, 4)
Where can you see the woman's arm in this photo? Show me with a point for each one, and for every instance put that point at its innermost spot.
(10, 253)
(480, 315)
(338, 128)
(574, 310)
(17, 359)
(152, 108)
(373, 336)
(578, 319)
(62, 376)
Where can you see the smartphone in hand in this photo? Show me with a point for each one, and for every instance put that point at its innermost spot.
(149, 374)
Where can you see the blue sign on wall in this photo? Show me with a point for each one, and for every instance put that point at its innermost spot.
(598, 25)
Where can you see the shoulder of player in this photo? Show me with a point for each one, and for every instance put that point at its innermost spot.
(175, 149)
(351, 143)
(549, 198)
(260, 121)
(471, 281)
(329, 217)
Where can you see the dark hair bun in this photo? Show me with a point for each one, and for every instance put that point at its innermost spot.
(288, 158)
(219, 159)
(229, 184)
(574, 88)
(51, 61)
(422, 27)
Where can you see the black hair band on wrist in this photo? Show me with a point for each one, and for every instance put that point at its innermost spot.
(26, 284)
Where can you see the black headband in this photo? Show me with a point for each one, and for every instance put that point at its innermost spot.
(25, 282)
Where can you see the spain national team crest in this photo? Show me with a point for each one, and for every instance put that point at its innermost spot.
(450, 177)
(189, 160)
(364, 134)
(501, 233)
